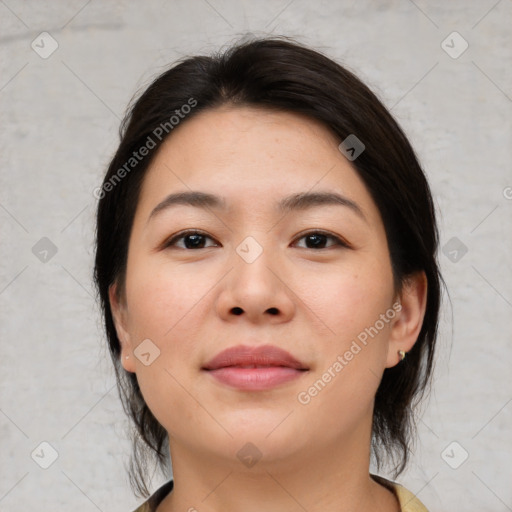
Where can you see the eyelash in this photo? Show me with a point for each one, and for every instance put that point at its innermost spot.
(183, 234)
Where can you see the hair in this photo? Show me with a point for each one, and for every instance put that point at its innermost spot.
(278, 74)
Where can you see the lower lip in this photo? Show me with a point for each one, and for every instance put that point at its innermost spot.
(255, 379)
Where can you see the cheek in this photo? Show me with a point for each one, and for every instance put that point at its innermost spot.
(164, 307)
(353, 355)
(168, 306)
(351, 300)
(159, 298)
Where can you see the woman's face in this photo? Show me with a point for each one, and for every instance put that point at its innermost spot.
(312, 278)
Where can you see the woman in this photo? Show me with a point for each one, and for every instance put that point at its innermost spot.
(266, 263)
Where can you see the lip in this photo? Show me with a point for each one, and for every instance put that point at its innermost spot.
(254, 368)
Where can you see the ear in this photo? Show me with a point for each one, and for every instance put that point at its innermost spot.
(409, 319)
(120, 316)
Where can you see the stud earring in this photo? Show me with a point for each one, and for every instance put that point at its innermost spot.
(401, 353)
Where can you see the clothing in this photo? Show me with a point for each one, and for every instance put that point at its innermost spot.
(408, 502)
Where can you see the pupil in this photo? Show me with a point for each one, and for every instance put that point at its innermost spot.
(196, 241)
(320, 239)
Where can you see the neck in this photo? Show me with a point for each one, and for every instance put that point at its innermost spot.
(329, 477)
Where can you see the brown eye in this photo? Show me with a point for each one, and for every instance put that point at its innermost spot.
(191, 240)
(319, 239)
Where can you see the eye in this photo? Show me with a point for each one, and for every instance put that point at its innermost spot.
(318, 239)
(192, 239)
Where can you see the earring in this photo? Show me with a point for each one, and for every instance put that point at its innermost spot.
(401, 353)
(127, 357)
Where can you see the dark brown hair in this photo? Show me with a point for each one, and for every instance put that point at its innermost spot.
(280, 74)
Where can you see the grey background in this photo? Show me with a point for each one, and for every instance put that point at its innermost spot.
(60, 117)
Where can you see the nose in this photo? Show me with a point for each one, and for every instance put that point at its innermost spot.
(256, 291)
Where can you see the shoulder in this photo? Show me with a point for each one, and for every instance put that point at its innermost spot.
(408, 501)
(156, 498)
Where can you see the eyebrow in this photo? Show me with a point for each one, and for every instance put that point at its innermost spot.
(294, 202)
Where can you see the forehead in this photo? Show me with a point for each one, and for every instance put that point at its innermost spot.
(254, 136)
(252, 157)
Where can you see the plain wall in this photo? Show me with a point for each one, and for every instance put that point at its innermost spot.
(59, 123)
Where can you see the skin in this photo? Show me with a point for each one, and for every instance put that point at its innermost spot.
(315, 456)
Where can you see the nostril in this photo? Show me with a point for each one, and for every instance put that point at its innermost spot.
(273, 311)
(237, 311)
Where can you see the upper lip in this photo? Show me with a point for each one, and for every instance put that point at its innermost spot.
(244, 355)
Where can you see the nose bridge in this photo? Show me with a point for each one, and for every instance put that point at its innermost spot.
(254, 287)
(253, 263)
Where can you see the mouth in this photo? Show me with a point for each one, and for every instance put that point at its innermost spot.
(254, 368)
